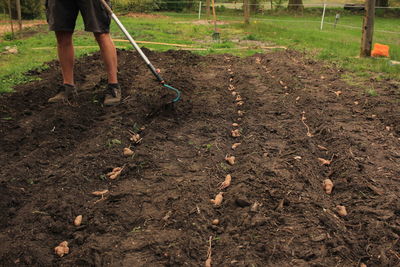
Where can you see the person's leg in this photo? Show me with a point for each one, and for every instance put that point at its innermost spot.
(97, 20)
(61, 16)
(65, 49)
(109, 55)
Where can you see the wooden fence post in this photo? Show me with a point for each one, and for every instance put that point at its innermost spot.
(368, 29)
(246, 11)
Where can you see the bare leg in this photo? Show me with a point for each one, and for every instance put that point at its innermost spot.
(109, 55)
(65, 49)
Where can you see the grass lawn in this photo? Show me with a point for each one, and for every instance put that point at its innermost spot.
(338, 45)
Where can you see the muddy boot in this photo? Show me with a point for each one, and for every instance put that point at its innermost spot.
(113, 95)
(65, 93)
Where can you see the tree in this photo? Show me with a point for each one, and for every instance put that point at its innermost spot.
(246, 11)
(208, 9)
(382, 3)
(30, 9)
(295, 5)
(255, 6)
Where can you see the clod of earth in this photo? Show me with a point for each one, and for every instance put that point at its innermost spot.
(324, 161)
(240, 103)
(78, 220)
(218, 199)
(230, 159)
(238, 98)
(234, 93)
(116, 172)
(235, 145)
(298, 98)
(235, 133)
(128, 152)
(100, 193)
(226, 183)
(363, 265)
(215, 222)
(341, 210)
(62, 249)
(240, 113)
(235, 124)
(231, 87)
(328, 186)
(242, 202)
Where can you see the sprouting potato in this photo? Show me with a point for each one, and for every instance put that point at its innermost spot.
(230, 159)
(62, 249)
(78, 220)
(341, 210)
(218, 199)
(324, 161)
(328, 186)
(235, 145)
(135, 138)
(128, 152)
(235, 133)
(226, 182)
(116, 172)
(100, 193)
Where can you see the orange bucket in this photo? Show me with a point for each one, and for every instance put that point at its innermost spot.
(380, 50)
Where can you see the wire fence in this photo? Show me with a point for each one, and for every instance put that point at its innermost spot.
(263, 11)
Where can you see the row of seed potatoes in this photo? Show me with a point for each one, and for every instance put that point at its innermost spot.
(229, 158)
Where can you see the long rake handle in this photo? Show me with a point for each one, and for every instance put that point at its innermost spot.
(148, 63)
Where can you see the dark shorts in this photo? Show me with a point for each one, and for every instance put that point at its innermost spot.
(61, 15)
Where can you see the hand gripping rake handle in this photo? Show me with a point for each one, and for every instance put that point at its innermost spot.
(144, 57)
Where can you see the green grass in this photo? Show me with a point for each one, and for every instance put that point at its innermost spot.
(339, 46)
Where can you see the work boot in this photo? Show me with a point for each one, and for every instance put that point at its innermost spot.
(113, 95)
(65, 93)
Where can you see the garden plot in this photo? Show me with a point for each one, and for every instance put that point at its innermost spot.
(267, 160)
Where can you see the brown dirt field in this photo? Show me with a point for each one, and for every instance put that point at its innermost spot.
(158, 212)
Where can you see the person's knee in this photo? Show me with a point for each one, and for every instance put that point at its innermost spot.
(64, 38)
(101, 37)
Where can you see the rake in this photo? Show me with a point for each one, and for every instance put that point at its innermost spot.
(144, 57)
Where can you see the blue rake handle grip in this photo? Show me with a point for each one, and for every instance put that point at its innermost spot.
(178, 93)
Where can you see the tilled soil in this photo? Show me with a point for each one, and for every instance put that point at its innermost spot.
(158, 212)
